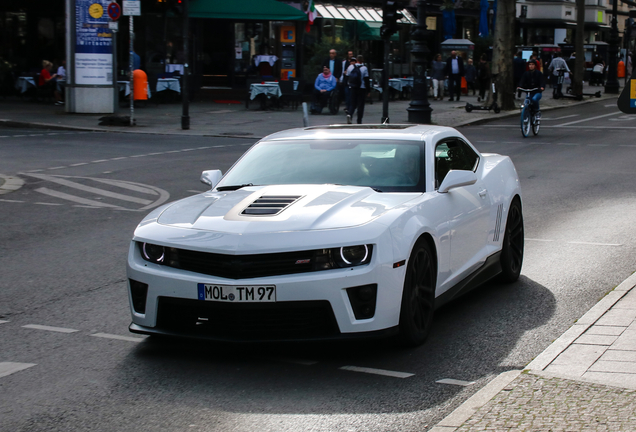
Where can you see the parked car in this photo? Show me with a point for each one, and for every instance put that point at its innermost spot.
(329, 232)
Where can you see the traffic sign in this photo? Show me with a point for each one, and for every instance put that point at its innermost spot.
(114, 11)
(132, 7)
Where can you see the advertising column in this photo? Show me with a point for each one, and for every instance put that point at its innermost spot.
(92, 59)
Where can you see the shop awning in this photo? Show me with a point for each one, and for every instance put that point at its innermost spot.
(358, 13)
(262, 10)
(371, 31)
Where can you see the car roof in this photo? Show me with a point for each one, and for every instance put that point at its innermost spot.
(406, 132)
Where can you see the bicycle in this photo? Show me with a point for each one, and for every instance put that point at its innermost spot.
(529, 116)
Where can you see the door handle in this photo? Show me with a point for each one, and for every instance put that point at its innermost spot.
(482, 193)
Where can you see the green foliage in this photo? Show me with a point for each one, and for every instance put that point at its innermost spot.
(482, 46)
(316, 53)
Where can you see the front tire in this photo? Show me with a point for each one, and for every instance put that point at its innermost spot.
(418, 295)
(512, 248)
(536, 124)
(525, 121)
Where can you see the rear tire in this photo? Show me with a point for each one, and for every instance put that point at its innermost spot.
(469, 107)
(525, 121)
(418, 295)
(512, 248)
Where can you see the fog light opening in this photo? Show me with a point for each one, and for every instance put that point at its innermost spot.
(138, 294)
(363, 300)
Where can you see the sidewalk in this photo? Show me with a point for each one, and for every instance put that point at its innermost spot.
(584, 381)
(222, 120)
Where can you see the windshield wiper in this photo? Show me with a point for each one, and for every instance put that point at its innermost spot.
(233, 187)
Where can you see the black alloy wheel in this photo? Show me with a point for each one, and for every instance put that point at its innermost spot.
(418, 295)
(512, 249)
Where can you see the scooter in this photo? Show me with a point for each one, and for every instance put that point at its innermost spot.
(493, 106)
(568, 93)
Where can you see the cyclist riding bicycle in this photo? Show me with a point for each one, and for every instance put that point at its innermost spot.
(533, 79)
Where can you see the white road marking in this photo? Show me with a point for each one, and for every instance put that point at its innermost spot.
(117, 337)
(588, 119)
(7, 368)
(44, 203)
(568, 144)
(57, 168)
(137, 156)
(79, 164)
(99, 161)
(49, 328)
(455, 382)
(13, 201)
(511, 142)
(377, 371)
(595, 244)
(126, 185)
(3, 322)
(90, 189)
(293, 361)
(560, 118)
(74, 198)
(540, 240)
(120, 158)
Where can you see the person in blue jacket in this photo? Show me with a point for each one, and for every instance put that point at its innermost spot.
(323, 87)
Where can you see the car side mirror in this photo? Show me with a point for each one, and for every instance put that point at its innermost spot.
(211, 177)
(457, 178)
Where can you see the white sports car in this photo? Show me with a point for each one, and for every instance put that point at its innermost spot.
(329, 232)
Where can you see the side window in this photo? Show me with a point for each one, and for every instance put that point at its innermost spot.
(450, 154)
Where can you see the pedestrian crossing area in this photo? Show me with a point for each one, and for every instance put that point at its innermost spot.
(89, 192)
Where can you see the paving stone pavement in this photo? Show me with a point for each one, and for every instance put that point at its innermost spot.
(584, 381)
(546, 403)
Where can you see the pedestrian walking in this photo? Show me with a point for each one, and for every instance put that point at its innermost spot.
(518, 69)
(483, 77)
(455, 72)
(471, 76)
(358, 82)
(438, 77)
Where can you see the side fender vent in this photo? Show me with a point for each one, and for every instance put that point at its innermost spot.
(498, 223)
(269, 205)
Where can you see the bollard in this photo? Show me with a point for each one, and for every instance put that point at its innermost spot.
(305, 115)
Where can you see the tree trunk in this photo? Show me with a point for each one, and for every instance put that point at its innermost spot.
(503, 53)
(579, 62)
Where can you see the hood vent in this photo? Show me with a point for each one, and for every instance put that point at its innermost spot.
(269, 205)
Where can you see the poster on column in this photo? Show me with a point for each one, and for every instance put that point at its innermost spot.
(93, 43)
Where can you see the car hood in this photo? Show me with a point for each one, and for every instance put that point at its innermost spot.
(296, 208)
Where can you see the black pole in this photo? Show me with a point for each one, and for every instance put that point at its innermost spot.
(385, 82)
(420, 110)
(612, 86)
(185, 93)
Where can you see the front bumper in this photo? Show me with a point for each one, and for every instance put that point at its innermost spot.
(309, 305)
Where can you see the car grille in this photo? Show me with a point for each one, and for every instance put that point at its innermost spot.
(243, 266)
(231, 321)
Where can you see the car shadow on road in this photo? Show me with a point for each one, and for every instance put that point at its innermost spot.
(474, 338)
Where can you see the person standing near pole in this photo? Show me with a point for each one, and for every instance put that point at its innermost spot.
(358, 81)
(455, 72)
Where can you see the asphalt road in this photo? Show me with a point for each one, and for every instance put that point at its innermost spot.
(65, 235)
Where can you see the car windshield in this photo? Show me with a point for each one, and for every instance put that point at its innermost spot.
(388, 166)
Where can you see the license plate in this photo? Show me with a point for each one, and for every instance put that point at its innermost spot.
(237, 294)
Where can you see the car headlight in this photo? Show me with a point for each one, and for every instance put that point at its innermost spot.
(342, 257)
(153, 253)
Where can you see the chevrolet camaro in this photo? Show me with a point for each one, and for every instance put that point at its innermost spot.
(329, 232)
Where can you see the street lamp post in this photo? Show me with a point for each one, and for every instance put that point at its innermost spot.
(612, 86)
(419, 109)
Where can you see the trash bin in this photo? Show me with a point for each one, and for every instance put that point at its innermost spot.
(140, 85)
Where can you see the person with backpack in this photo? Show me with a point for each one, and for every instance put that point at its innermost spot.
(358, 82)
